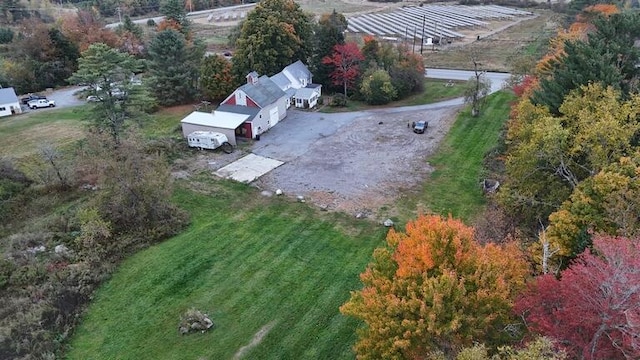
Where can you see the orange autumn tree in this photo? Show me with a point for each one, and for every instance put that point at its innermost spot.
(434, 288)
(577, 31)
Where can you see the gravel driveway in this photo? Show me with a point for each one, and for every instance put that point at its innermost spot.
(353, 162)
(63, 97)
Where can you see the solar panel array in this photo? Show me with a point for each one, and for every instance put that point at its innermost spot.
(431, 21)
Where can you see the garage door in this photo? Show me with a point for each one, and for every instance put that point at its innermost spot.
(273, 116)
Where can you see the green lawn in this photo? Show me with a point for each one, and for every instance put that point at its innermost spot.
(454, 186)
(434, 91)
(20, 135)
(247, 261)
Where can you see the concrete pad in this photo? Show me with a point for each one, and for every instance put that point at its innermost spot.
(248, 168)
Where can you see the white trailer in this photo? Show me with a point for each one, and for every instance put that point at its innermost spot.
(209, 140)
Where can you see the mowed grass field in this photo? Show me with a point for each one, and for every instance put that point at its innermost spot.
(22, 135)
(256, 265)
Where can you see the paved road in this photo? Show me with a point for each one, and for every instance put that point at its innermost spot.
(64, 98)
(497, 79)
(302, 129)
(308, 127)
(192, 14)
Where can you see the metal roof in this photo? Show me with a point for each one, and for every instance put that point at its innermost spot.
(299, 70)
(264, 92)
(281, 80)
(239, 109)
(8, 95)
(219, 119)
(305, 93)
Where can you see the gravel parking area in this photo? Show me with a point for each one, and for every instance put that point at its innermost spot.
(352, 162)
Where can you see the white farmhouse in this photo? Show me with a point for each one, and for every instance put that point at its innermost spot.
(296, 81)
(9, 103)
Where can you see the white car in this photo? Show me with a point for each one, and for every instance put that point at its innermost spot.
(40, 103)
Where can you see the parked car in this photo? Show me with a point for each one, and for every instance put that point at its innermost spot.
(420, 127)
(25, 100)
(93, 98)
(40, 103)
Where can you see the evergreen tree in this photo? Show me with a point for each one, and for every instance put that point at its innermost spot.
(108, 73)
(608, 57)
(66, 56)
(174, 10)
(174, 67)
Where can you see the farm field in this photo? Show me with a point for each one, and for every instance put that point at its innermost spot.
(498, 51)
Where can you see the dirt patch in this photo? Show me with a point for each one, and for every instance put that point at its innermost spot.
(366, 163)
(257, 338)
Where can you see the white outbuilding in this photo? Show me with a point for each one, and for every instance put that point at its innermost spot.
(217, 121)
(9, 103)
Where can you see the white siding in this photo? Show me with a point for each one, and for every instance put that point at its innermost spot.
(273, 116)
(241, 98)
(5, 109)
(189, 128)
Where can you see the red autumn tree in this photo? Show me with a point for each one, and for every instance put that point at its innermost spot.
(593, 311)
(435, 289)
(346, 59)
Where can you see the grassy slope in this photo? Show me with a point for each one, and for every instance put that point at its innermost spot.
(454, 187)
(247, 261)
(434, 91)
(22, 134)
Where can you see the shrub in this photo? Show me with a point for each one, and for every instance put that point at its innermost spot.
(6, 35)
(377, 89)
(339, 100)
(151, 23)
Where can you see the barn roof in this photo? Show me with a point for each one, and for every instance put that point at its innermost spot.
(264, 92)
(218, 119)
(239, 109)
(8, 95)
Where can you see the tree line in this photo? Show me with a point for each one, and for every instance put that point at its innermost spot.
(562, 284)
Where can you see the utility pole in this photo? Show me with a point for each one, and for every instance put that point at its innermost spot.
(422, 42)
(406, 29)
(435, 32)
(413, 48)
